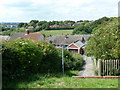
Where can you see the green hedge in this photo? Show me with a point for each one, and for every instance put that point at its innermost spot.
(19, 57)
(72, 61)
(25, 57)
(51, 61)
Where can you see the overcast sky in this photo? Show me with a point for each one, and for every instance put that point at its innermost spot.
(26, 10)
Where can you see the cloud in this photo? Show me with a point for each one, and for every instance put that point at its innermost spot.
(25, 10)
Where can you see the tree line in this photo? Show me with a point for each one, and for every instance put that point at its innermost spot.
(47, 25)
(88, 28)
(78, 27)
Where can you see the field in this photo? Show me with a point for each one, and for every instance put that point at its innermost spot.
(56, 32)
(61, 81)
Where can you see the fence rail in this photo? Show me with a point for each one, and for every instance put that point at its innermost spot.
(109, 67)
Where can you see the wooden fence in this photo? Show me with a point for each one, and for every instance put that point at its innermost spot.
(108, 67)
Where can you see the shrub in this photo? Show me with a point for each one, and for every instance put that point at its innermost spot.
(72, 61)
(51, 60)
(20, 56)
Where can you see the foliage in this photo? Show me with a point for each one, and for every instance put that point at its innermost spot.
(20, 25)
(83, 28)
(72, 61)
(33, 23)
(20, 57)
(105, 42)
(51, 61)
(8, 31)
(88, 28)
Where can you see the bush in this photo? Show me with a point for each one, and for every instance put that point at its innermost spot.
(20, 57)
(51, 61)
(72, 61)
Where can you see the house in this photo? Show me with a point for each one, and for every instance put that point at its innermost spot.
(34, 36)
(65, 40)
(79, 23)
(31, 28)
(17, 35)
(91, 21)
(4, 38)
(69, 41)
(53, 26)
(27, 35)
(76, 47)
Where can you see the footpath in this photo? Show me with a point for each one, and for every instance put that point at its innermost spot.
(88, 68)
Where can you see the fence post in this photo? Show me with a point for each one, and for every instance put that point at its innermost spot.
(99, 67)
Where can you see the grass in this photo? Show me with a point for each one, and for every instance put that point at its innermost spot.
(56, 32)
(60, 81)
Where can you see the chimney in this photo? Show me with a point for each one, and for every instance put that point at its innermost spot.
(82, 40)
(66, 36)
(27, 31)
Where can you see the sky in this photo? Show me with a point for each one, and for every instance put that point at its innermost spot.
(49, 10)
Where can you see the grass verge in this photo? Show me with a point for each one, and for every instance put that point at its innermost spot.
(60, 81)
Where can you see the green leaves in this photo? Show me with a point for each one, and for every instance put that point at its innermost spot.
(104, 44)
(87, 28)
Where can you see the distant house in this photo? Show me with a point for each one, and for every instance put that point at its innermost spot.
(4, 38)
(30, 28)
(76, 47)
(53, 26)
(91, 21)
(68, 24)
(35, 36)
(69, 42)
(17, 36)
(79, 22)
(28, 35)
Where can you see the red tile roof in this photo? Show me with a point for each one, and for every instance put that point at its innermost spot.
(34, 36)
(30, 27)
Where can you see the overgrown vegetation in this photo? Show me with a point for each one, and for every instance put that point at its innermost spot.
(105, 42)
(51, 62)
(72, 61)
(27, 57)
(20, 57)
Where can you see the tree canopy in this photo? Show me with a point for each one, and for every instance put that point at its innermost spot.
(88, 28)
(105, 41)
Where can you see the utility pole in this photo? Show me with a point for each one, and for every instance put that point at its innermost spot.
(63, 59)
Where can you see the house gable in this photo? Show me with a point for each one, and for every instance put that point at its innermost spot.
(72, 46)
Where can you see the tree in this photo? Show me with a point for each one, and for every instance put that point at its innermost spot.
(20, 25)
(105, 42)
(33, 23)
(38, 28)
(83, 28)
(45, 26)
(87, 27)
(80, 21)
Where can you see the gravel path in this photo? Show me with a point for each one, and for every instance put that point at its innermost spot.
(88, 68)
